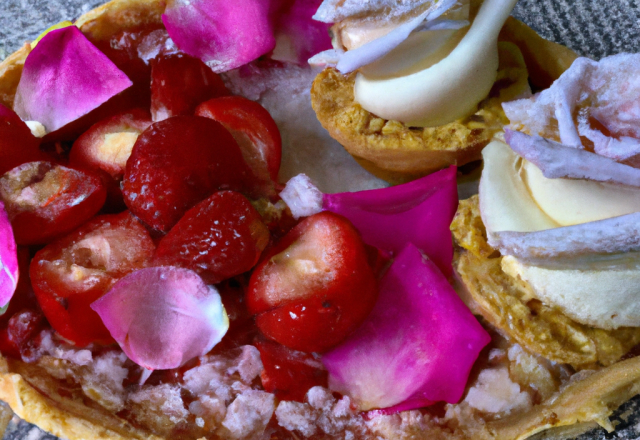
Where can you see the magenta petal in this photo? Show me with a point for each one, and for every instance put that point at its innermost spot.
(64, 78)
(417, 212)
(8, 259)
(417, 346)
(298, 36)
(224, 34)
(163, 316)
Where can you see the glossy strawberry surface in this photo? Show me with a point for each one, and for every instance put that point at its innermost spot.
(220, 237)
(72, 272)
(45, 200)
(179, 162)
(179, 83)
(315, 286)
(253, 128)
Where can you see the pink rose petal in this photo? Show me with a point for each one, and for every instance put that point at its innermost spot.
(8, 258)
(163, 316)
(298, 36)
(64, 78)
(417, 212)
(224, 34)
(416, 347)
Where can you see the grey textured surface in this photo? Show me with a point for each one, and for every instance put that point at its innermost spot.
(593, 28)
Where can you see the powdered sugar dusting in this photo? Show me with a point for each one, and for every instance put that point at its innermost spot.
(306, 146)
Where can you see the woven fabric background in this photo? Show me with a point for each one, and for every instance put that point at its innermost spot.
(593, 28)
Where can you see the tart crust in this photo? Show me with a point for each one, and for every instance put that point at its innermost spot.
(397, 153)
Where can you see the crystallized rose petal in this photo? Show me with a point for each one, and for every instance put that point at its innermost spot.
(298, 36)
(416, 347)
(604, 243)
(224, 34)
(163, 316)
(376, 49)
(598, 101)
(8, 259)
(417, 212)
(64, 78)
(558, 161)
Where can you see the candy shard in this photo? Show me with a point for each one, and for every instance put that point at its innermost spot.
(8, 259)
(223, 34)
(418, 212)
(416, 347)
(610, 242)
(163, 316)
(593, 101)
(302, 197)
(64, 78)
(557, 161)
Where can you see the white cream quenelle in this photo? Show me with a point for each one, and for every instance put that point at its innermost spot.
(446, 83)
(515, 196)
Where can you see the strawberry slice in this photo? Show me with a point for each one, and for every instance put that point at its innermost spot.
(71, 273)
(315, 286)
(179, 162)
(253, 128)
(106, 147)
(45, 200)
(179, 83)
(289, 374)
(219, 238)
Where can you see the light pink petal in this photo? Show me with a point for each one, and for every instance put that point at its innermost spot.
(417, 212)
(609, 243)
(224, 34)
(558, 161)
(64, 78)
(416, 347)
(163, 316)
(376, 49)
(298, 36)
(8, 258)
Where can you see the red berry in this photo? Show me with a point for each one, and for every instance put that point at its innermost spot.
(106, 147)
(17, 144)
(179, 83)
(315, 286)
(253, 128)
(45, 200)
(219, 238)
(289, 374)
(71, 273)
(178, 162)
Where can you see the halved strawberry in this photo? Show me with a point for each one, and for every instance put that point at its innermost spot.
(221, 237)
(179, 162)
(74, 271)
(315, 286)
(106, 147)
(45, 200)
(179, 83)
(253, 128)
